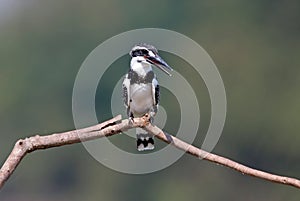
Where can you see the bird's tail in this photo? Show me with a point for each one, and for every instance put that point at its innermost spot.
(144, 140)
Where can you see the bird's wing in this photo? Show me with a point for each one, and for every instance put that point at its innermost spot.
(126, 91)
(155, 91)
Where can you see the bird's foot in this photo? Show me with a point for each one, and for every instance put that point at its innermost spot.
(147, 117)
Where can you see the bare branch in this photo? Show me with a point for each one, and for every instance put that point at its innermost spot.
(117, 125)
(219, 159)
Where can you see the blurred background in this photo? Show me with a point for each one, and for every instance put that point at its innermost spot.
(255, 45)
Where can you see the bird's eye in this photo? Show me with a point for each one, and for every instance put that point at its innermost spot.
(141, 52)
(145, 52)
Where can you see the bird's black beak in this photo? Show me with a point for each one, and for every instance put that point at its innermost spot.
(160, 63)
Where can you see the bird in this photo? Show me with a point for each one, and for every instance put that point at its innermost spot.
(140, 87)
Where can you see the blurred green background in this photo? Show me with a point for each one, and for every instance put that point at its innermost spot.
(255, 44)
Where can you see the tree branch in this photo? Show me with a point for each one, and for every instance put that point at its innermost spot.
(117, 125)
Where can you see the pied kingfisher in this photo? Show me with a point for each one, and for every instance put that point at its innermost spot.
(141, 89)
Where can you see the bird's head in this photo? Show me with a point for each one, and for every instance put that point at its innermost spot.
(148, 54)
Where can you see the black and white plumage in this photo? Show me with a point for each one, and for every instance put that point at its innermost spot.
(141, 89)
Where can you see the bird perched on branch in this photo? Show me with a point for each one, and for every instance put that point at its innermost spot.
(141, 89)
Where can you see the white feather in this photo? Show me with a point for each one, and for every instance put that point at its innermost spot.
(140, 65)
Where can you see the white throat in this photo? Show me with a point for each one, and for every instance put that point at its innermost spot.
(141, 67)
